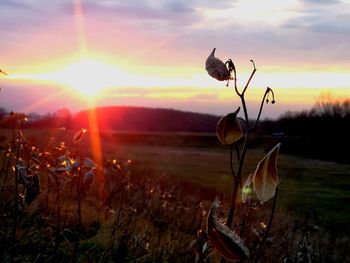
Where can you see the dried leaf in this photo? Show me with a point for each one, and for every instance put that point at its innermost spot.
(216, 68)
(247, 190)
(79, 136)
(265, 178)
(229, 129)
(226, 242)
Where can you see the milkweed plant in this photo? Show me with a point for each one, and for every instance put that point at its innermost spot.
(249, 190)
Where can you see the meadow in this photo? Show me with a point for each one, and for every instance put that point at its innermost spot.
(157, 197)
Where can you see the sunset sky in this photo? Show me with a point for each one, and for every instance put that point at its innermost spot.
(78, 53)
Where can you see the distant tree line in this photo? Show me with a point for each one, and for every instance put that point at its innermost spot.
(58, 119)
(322, 132)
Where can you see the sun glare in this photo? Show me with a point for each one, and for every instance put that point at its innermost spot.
(88, 77)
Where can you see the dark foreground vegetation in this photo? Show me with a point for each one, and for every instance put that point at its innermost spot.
(148, 197)
(143, 210)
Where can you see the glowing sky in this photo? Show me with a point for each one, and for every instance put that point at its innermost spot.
(152, 53)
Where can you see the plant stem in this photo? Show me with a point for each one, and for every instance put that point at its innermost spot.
(15, 210)
(231, 161)
(267, 230)
(79, 183)
(237, 182)
(244, 109)
(238, 153)
(58, 215)
(231, 213)
(79, 200)
(250, 78)
(261, 108)
(241, 156)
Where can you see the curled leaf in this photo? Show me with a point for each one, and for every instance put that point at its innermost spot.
(226, 242)
(265, 178)
(229, 129)
(79, 136)
(216, 68)
(247, 189)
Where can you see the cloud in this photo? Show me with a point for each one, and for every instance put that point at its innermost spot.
(320, 2)
(305, 30)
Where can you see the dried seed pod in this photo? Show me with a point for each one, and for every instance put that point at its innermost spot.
(216, 68)
(265, 178)
(229, 129)
(226, 242)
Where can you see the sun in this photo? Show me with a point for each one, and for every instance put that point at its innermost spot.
(88, 77)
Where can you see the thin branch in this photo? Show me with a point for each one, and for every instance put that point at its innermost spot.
(231, 213)
(235, 80)
(237, 182)
(250, 78)
(261, 108)
(238, 153)
(241, 95)
(231, 161)
(244, 109)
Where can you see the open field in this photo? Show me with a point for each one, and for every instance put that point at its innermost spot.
(186, 165)
(309, 185)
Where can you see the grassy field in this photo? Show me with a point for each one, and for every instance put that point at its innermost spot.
(310, 188)
(309, 185)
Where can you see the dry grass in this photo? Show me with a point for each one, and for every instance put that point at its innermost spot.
(153, 214)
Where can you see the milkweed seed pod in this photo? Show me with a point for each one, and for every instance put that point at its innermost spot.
(226, 242)
(229, 129)
(265, 177)
(79, 136)
(216, 68)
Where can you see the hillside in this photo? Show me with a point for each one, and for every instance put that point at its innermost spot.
(146, 119)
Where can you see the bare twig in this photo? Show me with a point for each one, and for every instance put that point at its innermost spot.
(261, 108)
(237, 183)
(231, 161)
(250, 78)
